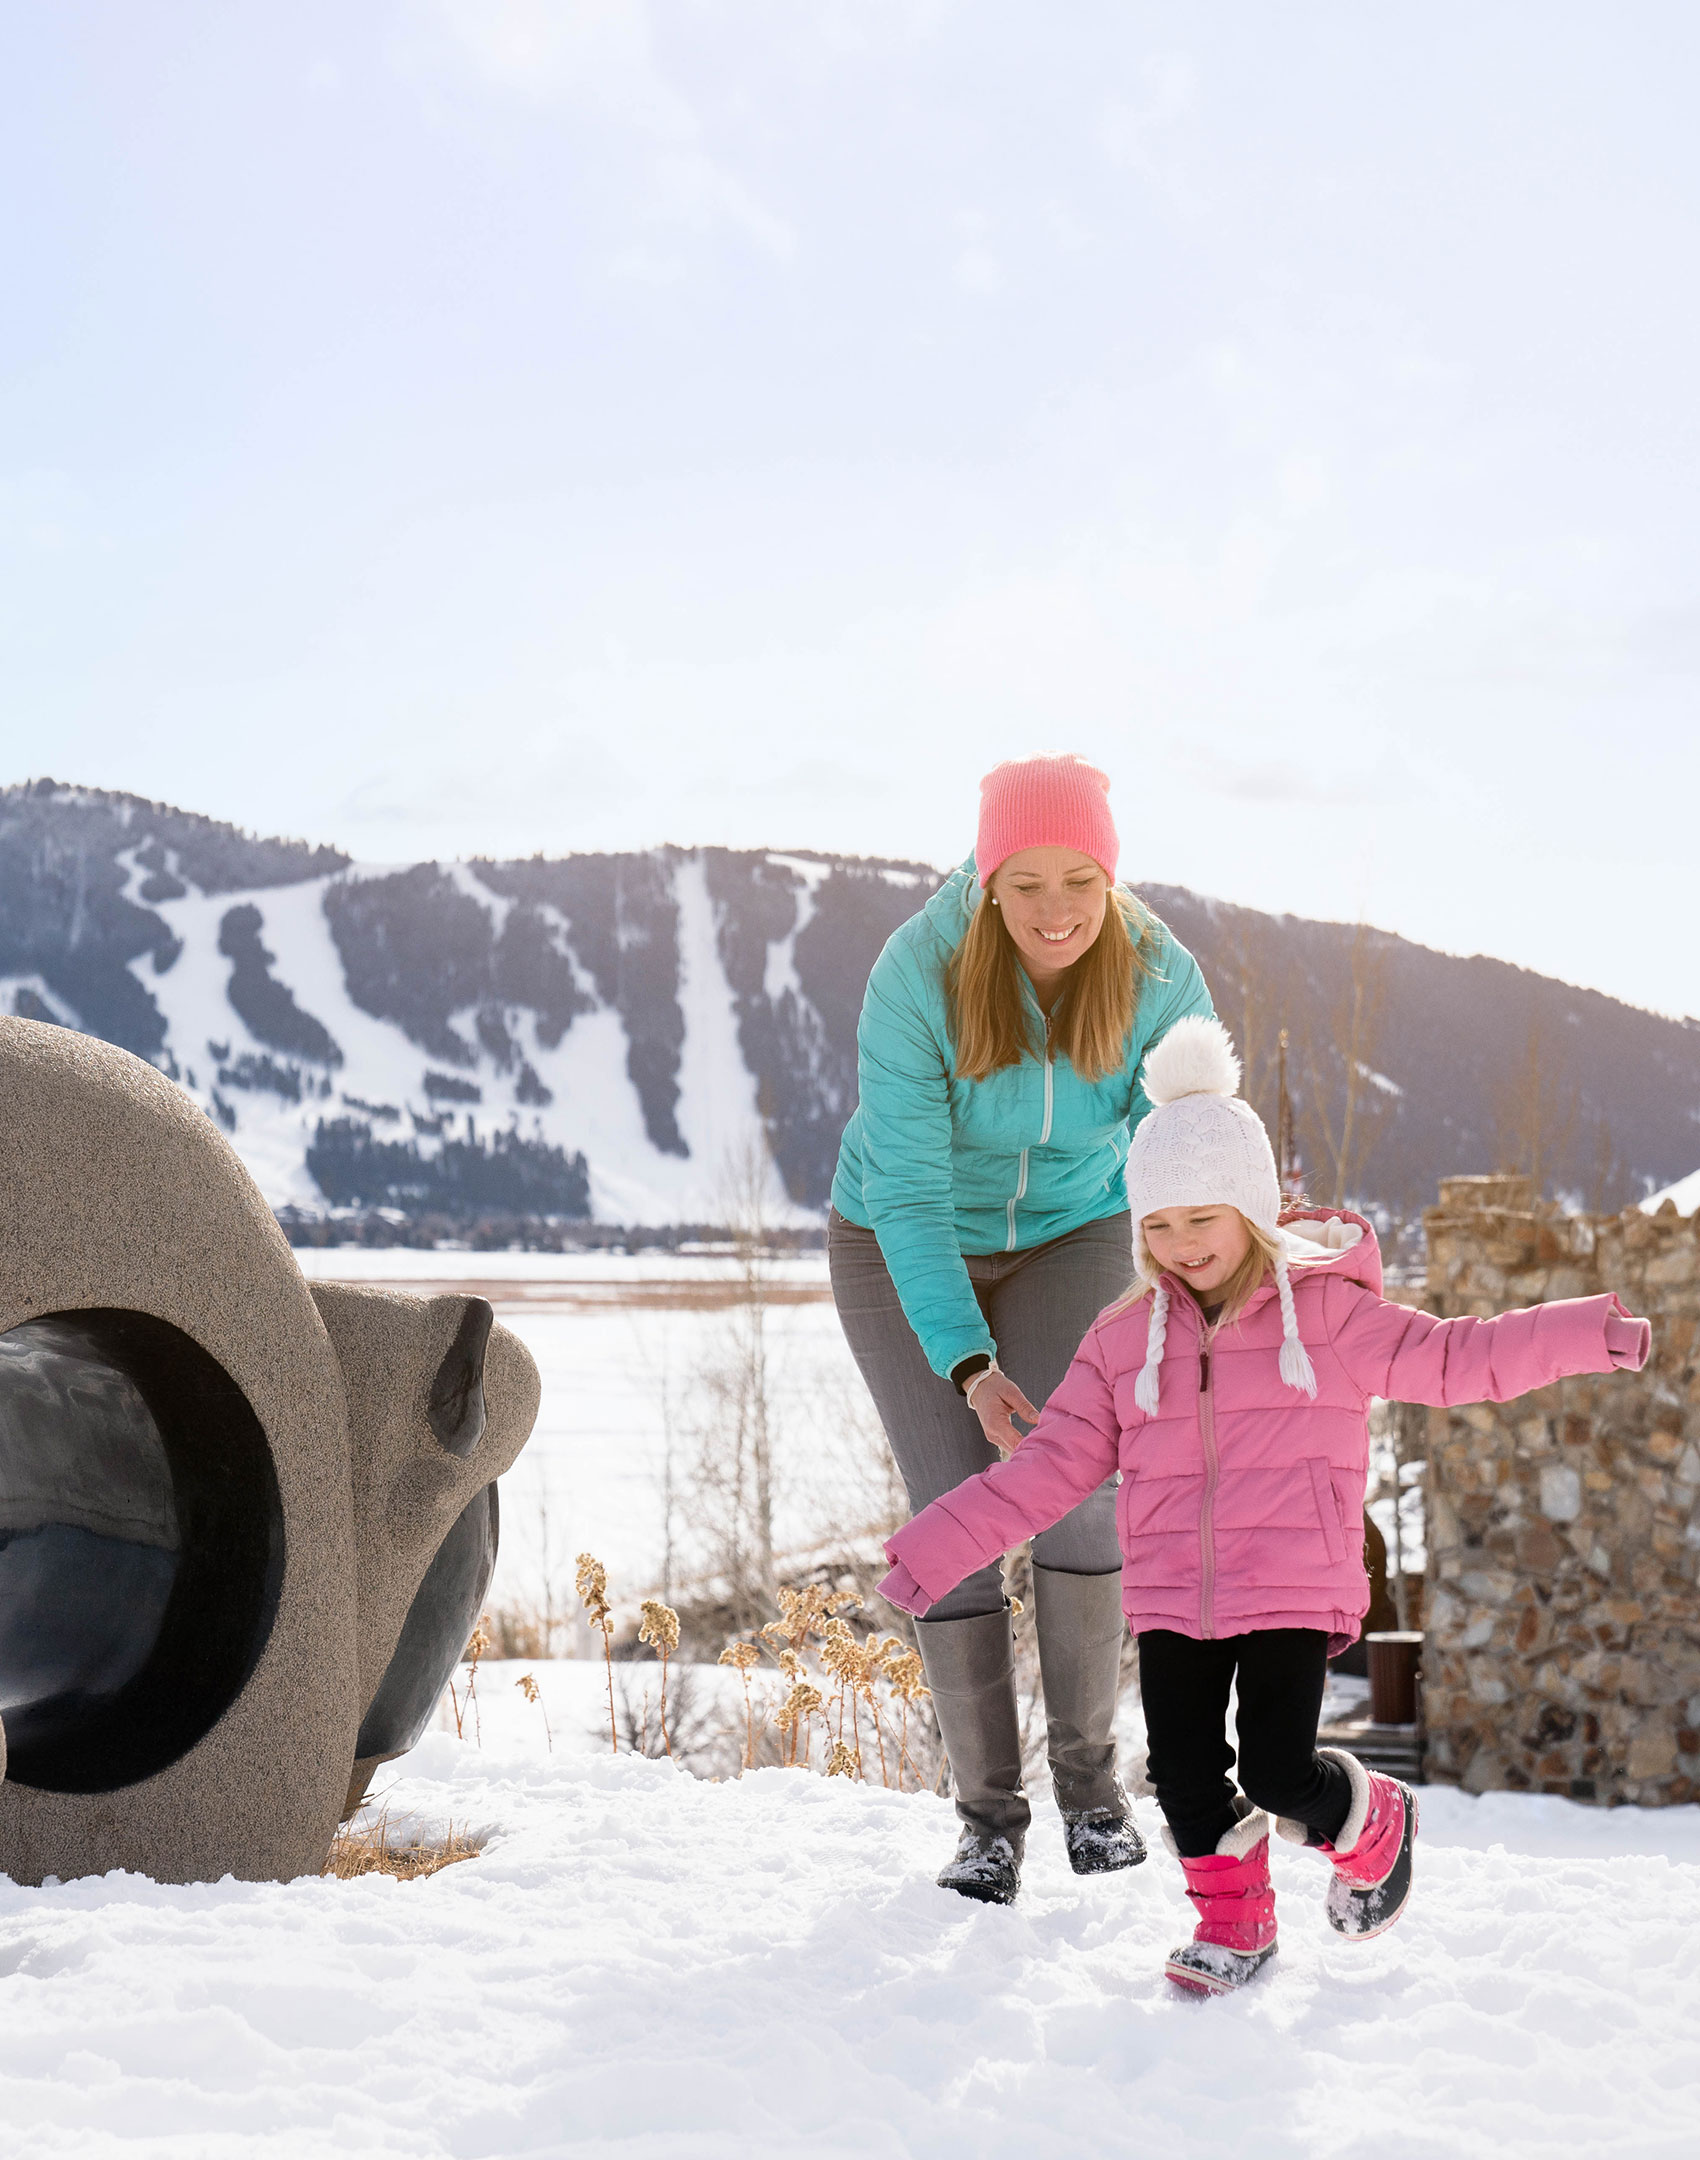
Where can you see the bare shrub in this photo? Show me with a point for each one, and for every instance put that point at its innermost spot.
(519, 1629)
(1344, 1114)
(698, 1734)
(730, 1422)
(1536, 1107)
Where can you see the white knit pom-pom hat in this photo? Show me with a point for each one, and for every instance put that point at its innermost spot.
(1203, 1145)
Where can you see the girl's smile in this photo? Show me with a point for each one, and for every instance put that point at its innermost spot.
(1202, 1245)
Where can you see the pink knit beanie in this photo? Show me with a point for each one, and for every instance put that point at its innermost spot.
(1045, 802)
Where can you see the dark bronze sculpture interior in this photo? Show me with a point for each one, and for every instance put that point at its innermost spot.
(141, 1547)
(435, 1632)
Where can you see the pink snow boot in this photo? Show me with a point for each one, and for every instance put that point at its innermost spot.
(1371, 1856)
(1235, 1935)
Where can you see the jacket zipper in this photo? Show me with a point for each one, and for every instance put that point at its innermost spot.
(1207, 1507)
(1020, 1188)
(1044, 1135)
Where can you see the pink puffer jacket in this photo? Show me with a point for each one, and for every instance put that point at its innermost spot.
(1241, 1501)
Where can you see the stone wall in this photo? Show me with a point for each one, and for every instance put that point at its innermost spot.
(1563, 1644)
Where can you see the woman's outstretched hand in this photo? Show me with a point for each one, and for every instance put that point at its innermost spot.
(997, 1403)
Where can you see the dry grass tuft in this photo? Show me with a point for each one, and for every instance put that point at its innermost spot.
(852, 1705)
(370, 1851)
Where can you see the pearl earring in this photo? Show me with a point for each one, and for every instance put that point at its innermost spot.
(994, 899)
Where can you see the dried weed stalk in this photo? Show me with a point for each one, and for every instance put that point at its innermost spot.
(660, 1626)
(475, 1650)
(592, 1585)
(534, 1694)
(741, 1656)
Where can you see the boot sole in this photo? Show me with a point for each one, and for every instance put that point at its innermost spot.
(1196, 1982)
(1106, 1867)
(982, 1893)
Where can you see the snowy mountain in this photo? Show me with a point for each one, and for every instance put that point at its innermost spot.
(1463, 1063)
(601, 1036)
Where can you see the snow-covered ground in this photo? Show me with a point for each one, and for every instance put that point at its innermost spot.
(643, 1965)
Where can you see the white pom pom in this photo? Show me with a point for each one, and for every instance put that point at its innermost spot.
(1196, 1057)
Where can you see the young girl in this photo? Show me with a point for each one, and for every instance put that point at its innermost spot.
(1232, 1391)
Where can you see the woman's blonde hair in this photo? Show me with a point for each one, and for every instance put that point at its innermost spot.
(991, 1027)
(1235, 1294)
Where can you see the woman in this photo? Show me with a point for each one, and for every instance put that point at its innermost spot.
(979, 1226)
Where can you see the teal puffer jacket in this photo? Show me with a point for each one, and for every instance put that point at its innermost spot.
(937, 1167)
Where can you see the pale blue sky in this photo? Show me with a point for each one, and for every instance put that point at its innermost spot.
(453, 425)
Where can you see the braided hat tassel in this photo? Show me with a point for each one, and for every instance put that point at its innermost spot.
(1296, 1367)
(1146, 1386)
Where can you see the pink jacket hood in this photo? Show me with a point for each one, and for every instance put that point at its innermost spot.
(1241, 1498)
(1313, 1238)
(1331, 1239)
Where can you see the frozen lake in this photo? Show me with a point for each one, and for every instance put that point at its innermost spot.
(630, 1348)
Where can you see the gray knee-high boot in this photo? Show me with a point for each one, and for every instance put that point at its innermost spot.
(970, 1666)
(1080, 1627)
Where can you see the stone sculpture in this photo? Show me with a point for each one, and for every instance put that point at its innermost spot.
(245, 1526)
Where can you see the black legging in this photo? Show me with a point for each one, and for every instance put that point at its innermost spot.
(1184, 1685)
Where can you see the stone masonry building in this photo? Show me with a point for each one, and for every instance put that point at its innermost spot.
(1563, 1614)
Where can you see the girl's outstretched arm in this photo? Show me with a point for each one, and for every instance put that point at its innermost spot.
(1407, 1356)
(1071, 1451)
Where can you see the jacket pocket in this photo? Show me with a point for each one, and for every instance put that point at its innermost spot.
(1327, 1507)
(1159, 1529)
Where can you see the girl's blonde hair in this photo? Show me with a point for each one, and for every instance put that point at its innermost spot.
(991, 1028)
(1235, 1293)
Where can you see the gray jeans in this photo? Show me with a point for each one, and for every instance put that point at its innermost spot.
(1038, 1304)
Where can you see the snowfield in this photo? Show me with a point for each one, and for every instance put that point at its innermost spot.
(640, 1964)
(619, 1360)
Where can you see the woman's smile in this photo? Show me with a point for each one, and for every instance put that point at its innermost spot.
(1030, 887)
